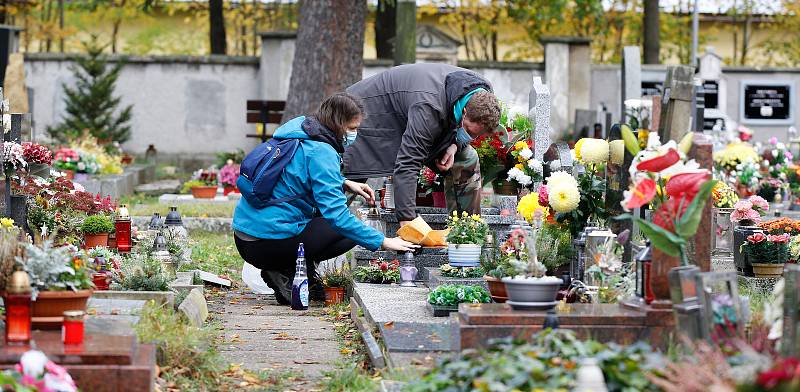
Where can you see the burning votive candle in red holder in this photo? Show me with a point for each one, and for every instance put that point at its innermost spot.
(123, 229)
(72, 328)
(17, 299)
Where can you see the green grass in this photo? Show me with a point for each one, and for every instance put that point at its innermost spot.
(215, 253)
(141, 205)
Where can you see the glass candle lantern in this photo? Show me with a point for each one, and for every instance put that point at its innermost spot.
(174, 223)
(722, 232)
(18, 308)
(72, 328)
(644, 261)
(408, 270)
(374, 220)
(123, 229)
(155, 222)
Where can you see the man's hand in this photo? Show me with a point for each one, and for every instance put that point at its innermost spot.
(361, 189)
(445, 162)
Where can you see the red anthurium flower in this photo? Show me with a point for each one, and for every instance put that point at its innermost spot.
(687, 184)
(642, 193)
(669, 212)
(660, 162)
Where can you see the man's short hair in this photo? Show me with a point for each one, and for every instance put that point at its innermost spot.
(484, 109)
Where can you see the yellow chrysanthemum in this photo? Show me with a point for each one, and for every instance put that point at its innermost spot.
(617, 148)
(594, 151)
(564, 197)
(578, 146)
(6, 223)
(520, 145)
(735, 153)
(520, 166)
(528, 205)
(561, 177)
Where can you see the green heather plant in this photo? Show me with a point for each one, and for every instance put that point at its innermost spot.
(97, 224)
(141, 273)
(188, 185)
(454, 294)
(549, 362)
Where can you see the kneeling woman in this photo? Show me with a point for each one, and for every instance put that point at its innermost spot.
(268, 238)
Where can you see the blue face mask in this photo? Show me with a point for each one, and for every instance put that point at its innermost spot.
(462, 137)
(350, 138)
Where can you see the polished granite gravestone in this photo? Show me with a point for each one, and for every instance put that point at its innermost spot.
(103, 363)
(479, 323)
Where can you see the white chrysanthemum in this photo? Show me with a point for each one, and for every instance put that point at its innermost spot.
(617, 148)
(514, 173)
(594, 151)
(653, 140)
(526, 153)
(561, 177)
(535, 165)
(524, 180)
(564, 197)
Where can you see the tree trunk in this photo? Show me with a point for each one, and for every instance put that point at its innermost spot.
(216, 24)
(329, 52)
(115, 33)
(385, 28)
(652, 31)
(746, 37)
(61, 26)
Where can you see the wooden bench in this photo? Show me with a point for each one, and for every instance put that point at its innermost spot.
(264, 112)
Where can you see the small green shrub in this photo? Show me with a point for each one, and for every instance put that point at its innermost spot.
(335, 276)
(449, 271)
(141, 273)
(452, 295)
(97, 224)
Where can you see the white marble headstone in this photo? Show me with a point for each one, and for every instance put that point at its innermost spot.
(539, 114)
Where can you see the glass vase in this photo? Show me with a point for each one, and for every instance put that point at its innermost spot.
(722, 233)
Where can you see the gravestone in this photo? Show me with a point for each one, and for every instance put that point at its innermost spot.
(677, 109)
(195, 307)
(700, 246)
(655, 113)
(631, 77)
(539, 114)
(618, 182)
(790, 342)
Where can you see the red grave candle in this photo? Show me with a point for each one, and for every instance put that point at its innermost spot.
(72, 328)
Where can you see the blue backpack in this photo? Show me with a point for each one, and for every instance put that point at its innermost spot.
(261, 170)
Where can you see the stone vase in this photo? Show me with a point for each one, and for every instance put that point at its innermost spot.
(740, 259)
(659, 274)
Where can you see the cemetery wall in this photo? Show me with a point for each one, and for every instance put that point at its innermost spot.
(196, 105)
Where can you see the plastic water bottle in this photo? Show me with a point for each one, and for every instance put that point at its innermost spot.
(300, 282)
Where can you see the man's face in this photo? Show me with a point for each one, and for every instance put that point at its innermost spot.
(473, 129)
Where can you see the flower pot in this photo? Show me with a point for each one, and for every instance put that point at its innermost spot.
(228, 189)
(438, 199)
(464, 255)
(504, 187)
(39, 169)
(722, 232)
(497, 289)
(659, 274)
(49, 307)
(204, 192)
(334, 295)
(94, 240)
(69, 174)
(767, 270)
(443, 310)
(100, 280)
(740, 259)
(532, 293)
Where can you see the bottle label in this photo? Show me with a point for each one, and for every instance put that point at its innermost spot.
(304, 293)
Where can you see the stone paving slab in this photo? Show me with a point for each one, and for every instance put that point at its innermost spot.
(419, 337)
(389, 303)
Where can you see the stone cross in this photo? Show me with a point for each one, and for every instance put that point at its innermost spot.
(539, 114)
(631, 77)
(677, 109)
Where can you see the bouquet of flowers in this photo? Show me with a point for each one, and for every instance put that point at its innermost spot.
(777, 157)
(429, 180)
(378, 271)
(229, 174)
(528, 170)
(724, 196)
(37, 153)
(494, 149)
(735, 154)
(685, 188)
(66, 159)
(768, 188)
(13, 157)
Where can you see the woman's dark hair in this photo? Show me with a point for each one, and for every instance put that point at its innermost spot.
(339, 109)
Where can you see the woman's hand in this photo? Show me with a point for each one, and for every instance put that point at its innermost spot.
(398, 244)
(361, 189)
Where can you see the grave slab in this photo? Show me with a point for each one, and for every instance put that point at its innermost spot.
(170, 198)
(195, 308)
(417, 337)
(160, 297)
(391, 303)
(159, 188)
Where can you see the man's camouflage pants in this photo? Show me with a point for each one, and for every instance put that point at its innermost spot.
(462, 185)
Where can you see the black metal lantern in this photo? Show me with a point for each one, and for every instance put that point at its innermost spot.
(643, 263)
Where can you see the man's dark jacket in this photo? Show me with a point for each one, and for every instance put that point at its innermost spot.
(409, 122)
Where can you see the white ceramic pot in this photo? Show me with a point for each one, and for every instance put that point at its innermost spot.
(532, 290)
(464, 255)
